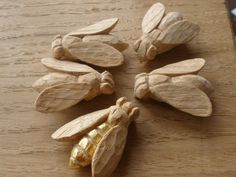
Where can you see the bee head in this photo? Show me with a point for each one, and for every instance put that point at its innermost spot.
(61, 44)
(107, 83)
(145, 49)
(141, 88)
(57, 48)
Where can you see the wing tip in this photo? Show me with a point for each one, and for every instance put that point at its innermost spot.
(38, 106)
(56, 137)
(209, 110)
(147, 14)
(44, 60)
(203, 115)
(116, 19)
(157, 4)
(201, 62)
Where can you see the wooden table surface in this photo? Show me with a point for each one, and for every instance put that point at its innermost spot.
(163, 142)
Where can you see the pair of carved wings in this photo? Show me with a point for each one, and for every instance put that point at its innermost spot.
(92, 44)
(178, 85)
(163, 31)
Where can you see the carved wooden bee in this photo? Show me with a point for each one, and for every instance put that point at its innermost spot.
(102, 137)
(92, 44)
(162, 32)
(73, 83)
(176, 84)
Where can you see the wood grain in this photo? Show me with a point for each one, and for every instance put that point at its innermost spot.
(162, 142)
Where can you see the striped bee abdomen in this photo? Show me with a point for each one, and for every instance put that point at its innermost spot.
(82, 153)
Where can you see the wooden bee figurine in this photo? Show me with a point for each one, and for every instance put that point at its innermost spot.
(102, 137)
(73, 83)
(92, 44)
(163, 31)
(178, 85)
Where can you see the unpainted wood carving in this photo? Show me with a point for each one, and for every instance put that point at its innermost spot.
(163, 31)
(102, 137)
(178, 85)
(72, 83)
(92, 44)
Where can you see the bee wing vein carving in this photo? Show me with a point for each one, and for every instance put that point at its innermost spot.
(61, 96)
(67, 66)
(183, 67)
(96, 53)
(109, 151)
(153, 17)
(183, 96)
(101, 27)
(81, 125)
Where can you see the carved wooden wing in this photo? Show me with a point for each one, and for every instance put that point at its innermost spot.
(196, 80)
(182, 67)
(109, 151)
(96, 53)
(67, 66)
(81, 125)
(179, 32)
(102, 27)
(61, 96)
(153, 17)
(109, 39)
(185, 97)
(53, 79)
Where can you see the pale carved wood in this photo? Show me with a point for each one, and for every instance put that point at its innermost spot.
(162, 32)
(109, 150)
(102, 27)
(162, 141)
(59, 91)
(92, 44)
(176, 85)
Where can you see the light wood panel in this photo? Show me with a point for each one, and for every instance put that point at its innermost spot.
(163, 142)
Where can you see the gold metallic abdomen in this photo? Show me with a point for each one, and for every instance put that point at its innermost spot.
(82, 153)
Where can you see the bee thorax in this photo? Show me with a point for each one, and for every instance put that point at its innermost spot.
(117, 116)
(155, 79)
(93, 80)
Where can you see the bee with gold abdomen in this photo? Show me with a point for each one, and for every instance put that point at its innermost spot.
(103, 145)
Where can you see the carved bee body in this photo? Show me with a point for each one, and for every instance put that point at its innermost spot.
(105, 140)
(75, 82)
(92, 44)
(163, 32)
(176, 84)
